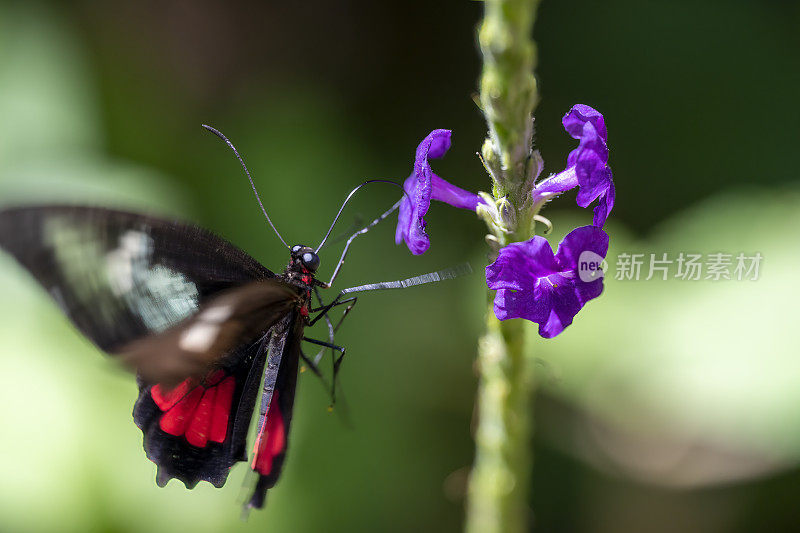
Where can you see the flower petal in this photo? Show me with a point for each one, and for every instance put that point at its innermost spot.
(422, 187)
(578, 241)
(519, 265)
(535, 284)
(552, 303)
(572, 247)
(603, 208)
(435, 145)
(590, 160)
(410, 225)
(556, 184)
(534, 305)
(565, 305)
(450, 194)
(578, 116)
(588, 291)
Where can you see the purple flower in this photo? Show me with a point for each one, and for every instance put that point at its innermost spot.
(548, 289)
(587, 165)
(422, 187)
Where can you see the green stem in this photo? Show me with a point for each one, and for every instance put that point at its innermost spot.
(500, 479)
(498, 487)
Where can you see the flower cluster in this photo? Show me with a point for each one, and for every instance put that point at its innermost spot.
(531, 281)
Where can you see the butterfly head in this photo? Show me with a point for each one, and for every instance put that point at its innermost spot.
(304, 257)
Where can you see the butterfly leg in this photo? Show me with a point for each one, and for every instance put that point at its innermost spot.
(323, 310)
(326, 345)
(347, 310)
(331, 330)
(314, 368)
(336, 361)
(328, 322)
(311, 364)
(323, 313)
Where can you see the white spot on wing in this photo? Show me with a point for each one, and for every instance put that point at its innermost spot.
(164, 297)
(132, 255)
(122, 280)
(217, 313)
(199, 337)
(157, 294)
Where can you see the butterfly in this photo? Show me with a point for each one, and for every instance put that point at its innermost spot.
(204, 325)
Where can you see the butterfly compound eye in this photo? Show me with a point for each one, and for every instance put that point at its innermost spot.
(296, 248)
(310, 261)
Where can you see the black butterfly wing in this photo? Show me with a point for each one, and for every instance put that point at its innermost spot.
(133, 285)
(206, 339)
(198, 430)
(122, 276)
(277, 402)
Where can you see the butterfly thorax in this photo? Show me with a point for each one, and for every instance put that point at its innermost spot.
(303, 264)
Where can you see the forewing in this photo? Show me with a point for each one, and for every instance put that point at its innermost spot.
(121, 276)
(189, 349)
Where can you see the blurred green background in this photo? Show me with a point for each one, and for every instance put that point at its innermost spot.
(667, 406)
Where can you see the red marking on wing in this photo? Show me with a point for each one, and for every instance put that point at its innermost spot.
(214, 377)
(166, 399)
(197, 432)
(177, 418)
(222, 410)
(271, 440)
(199, 412)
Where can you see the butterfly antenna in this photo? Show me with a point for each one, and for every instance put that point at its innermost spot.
(346, 200)
(252, 184)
